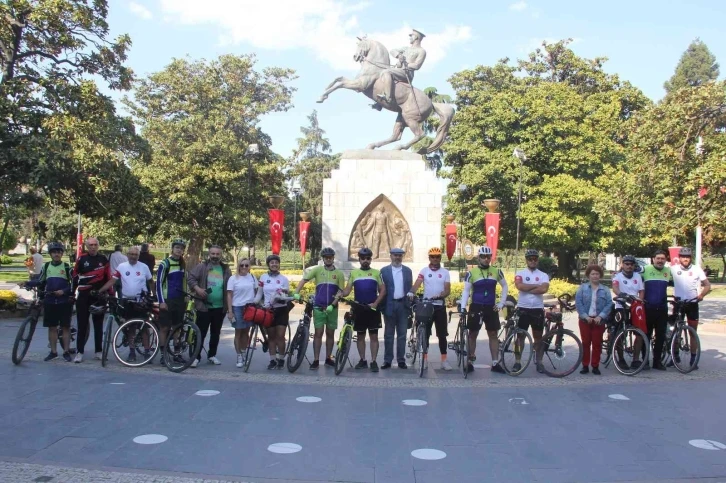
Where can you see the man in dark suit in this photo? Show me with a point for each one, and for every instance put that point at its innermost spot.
(398, 280)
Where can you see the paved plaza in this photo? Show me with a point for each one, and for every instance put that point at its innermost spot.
(64, 422)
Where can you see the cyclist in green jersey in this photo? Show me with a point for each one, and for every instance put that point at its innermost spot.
(329, 281)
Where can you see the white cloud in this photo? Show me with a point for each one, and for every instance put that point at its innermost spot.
(140, 11)
(327, 28)
(518, 6)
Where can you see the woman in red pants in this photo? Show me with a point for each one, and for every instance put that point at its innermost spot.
(594, 303)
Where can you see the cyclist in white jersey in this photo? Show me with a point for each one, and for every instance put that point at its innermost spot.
(689, 282)
(628, 282)
(532, 284)
(274, 285)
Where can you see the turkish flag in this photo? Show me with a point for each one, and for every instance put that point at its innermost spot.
(491, 223)
(673, 251)
(79, 245)
(277, 218)
(302, 229)
(450, 240)
(637, 315)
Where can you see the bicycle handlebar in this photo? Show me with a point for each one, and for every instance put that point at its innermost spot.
(353, 303)
(626, 298)
(678, 301)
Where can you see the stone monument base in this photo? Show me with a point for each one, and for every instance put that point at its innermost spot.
(382, 199)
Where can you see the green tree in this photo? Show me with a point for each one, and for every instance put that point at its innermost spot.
(199, 118)
(566, 113)
(312, 162)
(696, 67)
(61, 138)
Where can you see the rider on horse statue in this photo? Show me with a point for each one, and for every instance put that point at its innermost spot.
(410, 59)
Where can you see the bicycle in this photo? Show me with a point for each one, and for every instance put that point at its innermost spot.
(184, 340)
(461, 340)
(345, 339)
(559, 344)
(679, 338)
(423, 312)
(298, 345)
(140, 335)
(515, 341)
(27, 329)
(253, 339)
(624, 337)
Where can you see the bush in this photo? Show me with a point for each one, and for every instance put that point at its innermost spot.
(8, 299)
(557, 288)
(258, 272)
(5, 260)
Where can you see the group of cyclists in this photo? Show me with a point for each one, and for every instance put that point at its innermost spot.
(220, 292)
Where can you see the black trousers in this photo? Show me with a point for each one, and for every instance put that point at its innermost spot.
(656, 318)
(85, 300)
(215, 319)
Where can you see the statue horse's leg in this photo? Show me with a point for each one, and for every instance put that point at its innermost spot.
(338, 83)
(398, 128)
(418, 134)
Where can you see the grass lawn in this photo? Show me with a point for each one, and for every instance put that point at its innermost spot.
(718, 292)
(14, 276)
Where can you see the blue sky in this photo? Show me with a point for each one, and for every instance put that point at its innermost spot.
(642, 39)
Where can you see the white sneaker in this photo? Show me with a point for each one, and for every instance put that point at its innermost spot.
(97, 356)
(240, 360)
(214, 360)
(79, 358)
(195, 363)
(446, 366)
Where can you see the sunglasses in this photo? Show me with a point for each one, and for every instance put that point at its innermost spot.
(485, 256)
(628, 263)
(244, 265)
(365, 258)
(434, 256)
(532, 259)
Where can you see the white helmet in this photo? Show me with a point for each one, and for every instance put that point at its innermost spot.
(485, 250)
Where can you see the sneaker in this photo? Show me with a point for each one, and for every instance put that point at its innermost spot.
(498, 369)
(280, 363)
(517, 367)
(161, 360)
(67, 356)
(585, 370)
(659, 367)
(195, 363)
(374, 366)
(624, 365)
(402, 365)
(596, 371)
(240, 360)
(79, 358)
(540, 368)
(214, 360)
(329, 362)
(386, 365)
(635, 365)
(361, 364)
(646, 366)
(445, 366)
(131, 357)
(51, 356)
(147, 356)
(314, 365)
(469, 367)
(97, 356)
(272, 364)
(694, 367)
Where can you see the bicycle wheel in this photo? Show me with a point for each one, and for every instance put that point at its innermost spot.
(289, 339)
(683, 339)
(456, 345)
(341, 356)
(422, 349)
(298, 349)
(251, 346)
(626, 343)
(107, 329)
(606, 350)
(562, 352)
(138, 337)
(182, 346)
(412, 347)
(23, 338)
(465, 351)
(517, 352)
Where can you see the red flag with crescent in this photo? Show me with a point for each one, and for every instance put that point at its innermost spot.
(491, 222)
(303, 228)
(450, 240)
(673, 252)
(637, 315)
(277, 218)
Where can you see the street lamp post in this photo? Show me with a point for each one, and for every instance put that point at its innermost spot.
(295, 191)
(251, 151)
(519, 154)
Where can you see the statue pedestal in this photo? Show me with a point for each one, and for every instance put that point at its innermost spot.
(398, 181)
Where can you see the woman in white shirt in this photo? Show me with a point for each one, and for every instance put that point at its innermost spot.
(241, 291)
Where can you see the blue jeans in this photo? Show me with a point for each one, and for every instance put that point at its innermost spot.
(396, 324)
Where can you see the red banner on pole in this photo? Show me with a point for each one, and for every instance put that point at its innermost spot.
(450, 240)
(303, 228)
(491, 222)
(673, 252)
(277, 219)
(79, 239)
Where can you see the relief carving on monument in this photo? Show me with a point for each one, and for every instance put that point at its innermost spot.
(380, 227)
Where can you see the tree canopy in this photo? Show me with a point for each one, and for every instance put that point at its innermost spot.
(696, 67)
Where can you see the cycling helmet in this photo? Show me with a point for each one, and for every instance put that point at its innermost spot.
(435, 251)
(55, 246)
(365, 252)
(180, 242)
(531, 252)
(327, 252)
(629, 258)
(271, 258)
(485, 250)
(685, 252)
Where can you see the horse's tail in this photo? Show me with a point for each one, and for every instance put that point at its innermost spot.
(446, 114)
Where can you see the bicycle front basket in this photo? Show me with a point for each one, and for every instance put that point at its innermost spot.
(424, 311)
